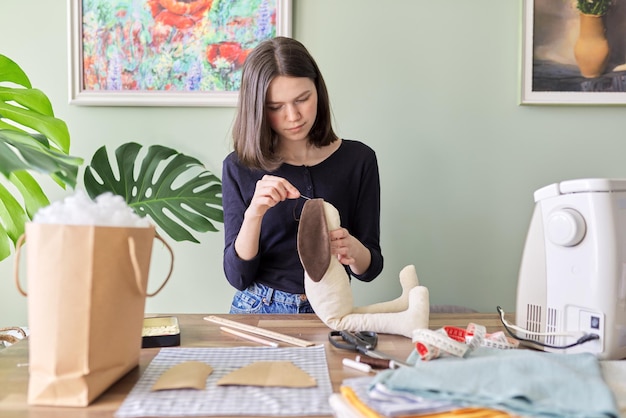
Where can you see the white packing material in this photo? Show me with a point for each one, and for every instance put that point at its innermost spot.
(79, 209)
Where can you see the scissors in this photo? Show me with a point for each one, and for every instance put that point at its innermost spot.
(363, 342)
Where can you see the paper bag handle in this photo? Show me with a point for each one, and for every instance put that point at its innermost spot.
(16, 274)
(137, 269)
(133, 258)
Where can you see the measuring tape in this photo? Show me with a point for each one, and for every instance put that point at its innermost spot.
(457, 342)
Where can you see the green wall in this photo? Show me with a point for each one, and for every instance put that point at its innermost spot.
(432, 86)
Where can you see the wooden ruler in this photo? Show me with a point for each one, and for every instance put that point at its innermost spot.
(259, 331)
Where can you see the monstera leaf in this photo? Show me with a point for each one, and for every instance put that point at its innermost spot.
(26, 107)
(169, 187)
(31, 139)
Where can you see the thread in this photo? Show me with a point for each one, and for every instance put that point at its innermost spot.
(376, 363)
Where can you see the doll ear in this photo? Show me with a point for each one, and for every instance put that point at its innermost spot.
(314, 240)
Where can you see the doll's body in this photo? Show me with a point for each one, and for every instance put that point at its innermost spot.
(327, 284)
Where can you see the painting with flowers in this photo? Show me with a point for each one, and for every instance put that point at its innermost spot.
(168, 52)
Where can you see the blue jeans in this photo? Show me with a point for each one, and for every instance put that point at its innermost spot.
(258, 298)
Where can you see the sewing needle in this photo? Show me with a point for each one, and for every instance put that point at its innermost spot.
(305, 197)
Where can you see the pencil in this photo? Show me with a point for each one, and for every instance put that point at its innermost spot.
(249, 337)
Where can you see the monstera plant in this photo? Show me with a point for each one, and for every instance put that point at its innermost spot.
(173, 189)
(31, 140)
(155, 192)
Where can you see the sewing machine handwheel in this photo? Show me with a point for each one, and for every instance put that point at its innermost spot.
(566, 227)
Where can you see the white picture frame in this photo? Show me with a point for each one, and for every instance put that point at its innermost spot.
(550, 74)
(92, 85)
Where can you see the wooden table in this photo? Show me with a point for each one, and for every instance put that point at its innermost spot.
(196, 332)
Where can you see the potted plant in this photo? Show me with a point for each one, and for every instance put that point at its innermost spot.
(591, 49)
(593, 7)
(32, 139)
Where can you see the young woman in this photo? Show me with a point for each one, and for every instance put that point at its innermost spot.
(285, 151)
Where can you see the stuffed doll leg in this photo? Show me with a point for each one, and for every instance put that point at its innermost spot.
(332, 301)
(408, 280)
(400, 323)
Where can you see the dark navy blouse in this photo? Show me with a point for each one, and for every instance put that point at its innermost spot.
(348, 179)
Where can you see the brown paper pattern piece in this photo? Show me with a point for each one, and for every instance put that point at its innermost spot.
(269, 373)
(186, 375)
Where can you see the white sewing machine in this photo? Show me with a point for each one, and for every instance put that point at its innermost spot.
(572, 278)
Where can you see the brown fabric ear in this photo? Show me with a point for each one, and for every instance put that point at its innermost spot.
(314, 240)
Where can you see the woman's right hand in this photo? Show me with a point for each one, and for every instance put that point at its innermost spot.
(269, 191)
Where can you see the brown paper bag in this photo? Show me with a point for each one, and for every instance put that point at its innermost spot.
(87, 287)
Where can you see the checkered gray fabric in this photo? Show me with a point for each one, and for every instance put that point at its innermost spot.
(231, 400)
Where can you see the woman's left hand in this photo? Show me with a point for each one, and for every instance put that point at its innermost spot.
(341, 245)
(349, 250)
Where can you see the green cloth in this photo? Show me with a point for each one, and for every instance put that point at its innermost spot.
(525, 382)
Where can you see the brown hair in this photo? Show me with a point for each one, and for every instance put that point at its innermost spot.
(254, 141)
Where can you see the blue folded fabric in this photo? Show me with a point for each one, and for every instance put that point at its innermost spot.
(525, 382)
